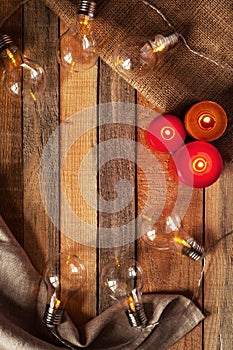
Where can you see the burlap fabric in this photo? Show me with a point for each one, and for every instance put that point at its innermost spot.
(184, 78)
(23, 300)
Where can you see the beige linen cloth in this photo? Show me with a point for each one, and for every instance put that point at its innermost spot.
(22, 305)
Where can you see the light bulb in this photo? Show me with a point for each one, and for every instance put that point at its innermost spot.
(64, 275)
(21, 75)
(124, 281)
(168, 233)
(77, 48)
(137, 55)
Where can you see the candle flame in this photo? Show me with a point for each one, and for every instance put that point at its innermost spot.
(206, 121)
(199, 165)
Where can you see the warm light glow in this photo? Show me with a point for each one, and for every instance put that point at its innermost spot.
(32, 95)
(146, 217)
(199, 165)
(206, 121)
(159, 48)
(131, 303)
(181, 241)
(117, 262)
(57, 304)
(84, 21)
(11, 57)
(167, 133)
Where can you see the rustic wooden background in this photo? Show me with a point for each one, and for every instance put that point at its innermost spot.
(24, 132)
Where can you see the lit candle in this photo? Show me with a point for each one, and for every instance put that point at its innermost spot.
(206, 121)
(166, 133)
(198, 164)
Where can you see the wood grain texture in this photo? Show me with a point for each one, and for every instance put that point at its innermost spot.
(218, 301)
(24, 133)
(114, 89)
(39, 121)
(168, 271)
(78, 93)
(11, 159)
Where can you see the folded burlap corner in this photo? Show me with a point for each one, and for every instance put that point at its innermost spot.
(184, 78)
(23, 300)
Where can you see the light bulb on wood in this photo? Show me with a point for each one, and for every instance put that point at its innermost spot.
(64, 275)
(22, 76)
(167, 233)
(123, 280)
(77, 47)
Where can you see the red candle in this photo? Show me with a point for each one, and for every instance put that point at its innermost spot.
(206, 121)
(166, 133)
(198, 164)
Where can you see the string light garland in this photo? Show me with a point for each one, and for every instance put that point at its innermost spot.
(197, 53)
(77, 47)
(183, 243)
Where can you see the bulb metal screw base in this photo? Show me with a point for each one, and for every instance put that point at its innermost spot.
(195, 251)
(87, 8)
(5, 41)
(163, 43)
(138, 317)
(52, 317)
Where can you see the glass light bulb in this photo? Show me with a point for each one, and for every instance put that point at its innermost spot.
(167, 233)
(136, 56)
(64, 275)
(22, 76)
(124, 281)
(77, 47)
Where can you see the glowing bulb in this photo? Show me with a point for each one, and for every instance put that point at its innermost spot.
(64, 274)
(77, 48)
(21, 76)
(137, 55)
(123, 280)
(167, 233)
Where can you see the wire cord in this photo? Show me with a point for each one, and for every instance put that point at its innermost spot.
(12, 12)
(197, 53)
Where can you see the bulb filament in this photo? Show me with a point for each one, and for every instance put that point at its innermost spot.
(57, 304)
(11, 57)
(181, 241)
(131, 303)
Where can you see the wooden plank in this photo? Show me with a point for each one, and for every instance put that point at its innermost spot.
(11, 178)
(78, 92)
(113, 127)
(41, 235)
(167, 271)
(218, 301)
